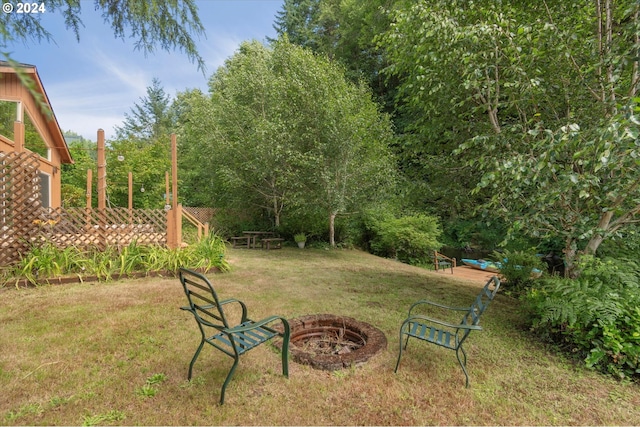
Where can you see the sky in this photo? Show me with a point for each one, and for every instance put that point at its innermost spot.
(91, 84)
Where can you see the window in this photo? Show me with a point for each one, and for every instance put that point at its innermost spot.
(45, 190)
(33, 140)
(8, 115)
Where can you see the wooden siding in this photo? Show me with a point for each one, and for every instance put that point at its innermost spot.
(12, 89)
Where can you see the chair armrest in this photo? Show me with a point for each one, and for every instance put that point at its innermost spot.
(259, 323)
(244, 307)
(435, 304)
(442, 323)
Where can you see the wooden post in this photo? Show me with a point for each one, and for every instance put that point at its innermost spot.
(88, 195)
(174, 170)
(130, 191)
(174, 215)
(102, 172)
(89, 182)
(130, 200)
(18, 136)
(166, 188)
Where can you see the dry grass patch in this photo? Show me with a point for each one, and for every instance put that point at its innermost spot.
(118, 353)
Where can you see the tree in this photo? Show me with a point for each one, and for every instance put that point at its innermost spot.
(546, 92)
(148, 164)
(74, 176)
(151, 119)
(284, 129)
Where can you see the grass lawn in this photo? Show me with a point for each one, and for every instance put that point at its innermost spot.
(118, 353)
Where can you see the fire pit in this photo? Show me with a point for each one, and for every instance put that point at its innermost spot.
(330, 342)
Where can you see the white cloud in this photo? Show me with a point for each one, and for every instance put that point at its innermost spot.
(92, 84)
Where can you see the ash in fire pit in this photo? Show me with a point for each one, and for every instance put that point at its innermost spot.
(330, 342)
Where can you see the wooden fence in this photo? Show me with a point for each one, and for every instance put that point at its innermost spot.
(103, 227)
(26, 223)
(19, 204)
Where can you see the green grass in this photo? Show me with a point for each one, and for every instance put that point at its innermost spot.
(118, 352)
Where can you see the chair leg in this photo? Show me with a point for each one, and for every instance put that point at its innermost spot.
(193, 360)
(285, 357)
(229, 375)
(286, 337)
(463, 364)
(400, 352)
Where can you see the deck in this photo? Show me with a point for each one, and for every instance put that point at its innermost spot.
(467, 274)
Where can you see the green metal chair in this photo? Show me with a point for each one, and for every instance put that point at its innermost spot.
(215, 330)
(446, 334)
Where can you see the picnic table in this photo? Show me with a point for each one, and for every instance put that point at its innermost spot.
(253, 236)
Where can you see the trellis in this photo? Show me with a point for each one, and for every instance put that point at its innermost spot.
(26, 223)
(203, 215)
(100, 228)
(20, 204)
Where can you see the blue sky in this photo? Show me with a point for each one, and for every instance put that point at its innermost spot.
(91, 84)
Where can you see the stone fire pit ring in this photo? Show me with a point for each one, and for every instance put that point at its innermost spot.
(369, 339)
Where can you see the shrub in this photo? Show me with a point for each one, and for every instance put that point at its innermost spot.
(596, 315)
(410, 239)
(517, 268)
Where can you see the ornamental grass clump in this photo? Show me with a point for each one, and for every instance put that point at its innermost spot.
(46, 261)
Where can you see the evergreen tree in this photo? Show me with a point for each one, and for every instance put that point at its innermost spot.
(149, 120)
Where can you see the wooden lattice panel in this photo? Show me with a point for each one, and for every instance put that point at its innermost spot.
(20, 206)
(105, 227)
(203, 215)
(24, 222)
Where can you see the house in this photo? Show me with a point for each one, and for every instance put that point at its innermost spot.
(28, 124)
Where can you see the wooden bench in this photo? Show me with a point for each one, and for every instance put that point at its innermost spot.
(241, 241)
(232, 340)
(446, 334)
(271, 243)
(442, 262)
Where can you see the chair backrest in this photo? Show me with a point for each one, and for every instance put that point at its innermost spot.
(482, 301)
(203, 300)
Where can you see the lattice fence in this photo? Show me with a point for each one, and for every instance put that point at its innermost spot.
(107, 227)
(19, 204)
(26, 223)
(203, 215)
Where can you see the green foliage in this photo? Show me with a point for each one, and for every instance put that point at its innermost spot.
(473, 233)
(148, 161)
(596, 315)
(539, 100)
(151, 119)
(285, 133)
(345, 31)
(410, 238)
(33, 141)
(74, 176)
(517, 268)
(102, 419)
(47, 261)
(149, 389)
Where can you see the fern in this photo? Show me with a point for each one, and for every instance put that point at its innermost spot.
(597, 313)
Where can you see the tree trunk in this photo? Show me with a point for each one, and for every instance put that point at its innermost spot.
(572, 255)
(596, 239)
(276, 212)
(332, 229)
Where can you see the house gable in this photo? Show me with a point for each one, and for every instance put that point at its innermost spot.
(12, 88)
